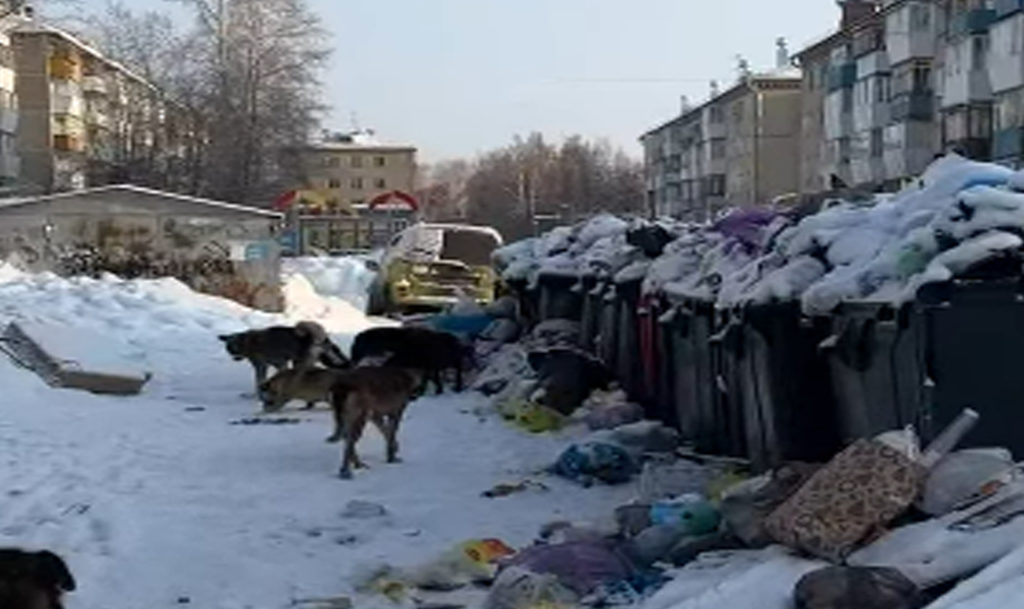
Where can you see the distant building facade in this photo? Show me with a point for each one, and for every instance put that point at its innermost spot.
(735, 150)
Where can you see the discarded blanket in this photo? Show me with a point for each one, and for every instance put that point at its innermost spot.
(580, 566)
(862, 488)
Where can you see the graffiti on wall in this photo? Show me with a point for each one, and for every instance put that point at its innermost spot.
(199, 252)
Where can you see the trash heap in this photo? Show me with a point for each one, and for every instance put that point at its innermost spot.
(959, 213)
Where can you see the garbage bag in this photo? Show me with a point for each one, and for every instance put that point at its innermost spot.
(519, 588)
(614, 415)
(860, 489)
(643, 437)
(591, 461)
(744, 512)
(856, 588)
(469, 561)
(655, 543)
(693, 512)
(580, 566)
(964, 477)
(665, 479)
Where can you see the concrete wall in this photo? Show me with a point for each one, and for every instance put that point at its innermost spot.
(217, 251)
(34, 133)
(778, 168)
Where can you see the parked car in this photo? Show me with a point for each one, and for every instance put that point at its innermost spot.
(428, 266)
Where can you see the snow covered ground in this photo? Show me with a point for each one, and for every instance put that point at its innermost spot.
(158, 501)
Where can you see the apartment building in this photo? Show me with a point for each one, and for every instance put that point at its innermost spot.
(1006, 76)
(85, 120)
(735, 150)
(10, 167)
(349, 170)
(966, 94)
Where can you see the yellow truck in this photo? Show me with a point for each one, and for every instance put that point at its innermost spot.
(429, 266)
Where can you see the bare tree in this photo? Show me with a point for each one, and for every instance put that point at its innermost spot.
(512, 187)
(261, 65)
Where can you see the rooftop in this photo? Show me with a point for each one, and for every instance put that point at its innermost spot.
(365, 139)
(131, 188)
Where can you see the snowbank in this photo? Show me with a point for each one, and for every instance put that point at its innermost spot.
(346, 277)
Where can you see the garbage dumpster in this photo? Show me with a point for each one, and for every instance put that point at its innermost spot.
(557, 298)
(608, 335)
(876, 357)
(975, 334)
(731, 366)
(591, 292)
(528, 301)
(786, 393)
(628, 364)
(692, 377)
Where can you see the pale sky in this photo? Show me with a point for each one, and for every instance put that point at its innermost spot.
(457, 77)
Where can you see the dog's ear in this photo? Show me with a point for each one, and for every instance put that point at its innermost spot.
(224, 337)
(51, 569)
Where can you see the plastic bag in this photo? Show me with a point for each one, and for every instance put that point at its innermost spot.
(518, 588)
(964, 477)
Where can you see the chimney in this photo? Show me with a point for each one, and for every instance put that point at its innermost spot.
(781, 54)
(714, 88)
(684, 103)
(855, 11)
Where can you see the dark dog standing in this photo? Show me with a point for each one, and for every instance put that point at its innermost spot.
(376, 394)
(283, 347)
(33, 580)
(428, 351)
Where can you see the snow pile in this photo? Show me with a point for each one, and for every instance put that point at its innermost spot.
(957, 215)
(345, 277)
(242, 516)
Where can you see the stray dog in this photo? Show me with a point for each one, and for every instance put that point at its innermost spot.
(33, 580)
(282, 347)
(311, 386)
(376, 394)
(427, 351)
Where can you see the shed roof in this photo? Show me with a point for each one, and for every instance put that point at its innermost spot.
(133, 189)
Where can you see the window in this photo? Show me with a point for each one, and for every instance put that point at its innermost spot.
(380, 161)
(718, 149)
(979, 123)
(1016, 37)
(882, 89)
(717, 116)
(877, 142)
(357, 162)
(334, 183)
(979, 52)
(331, 161)
(358, 201)
(922, 79)
(737, 112)
(356, 183)
(714, 185)
(920, 17)
(847, 100)
(381, 183)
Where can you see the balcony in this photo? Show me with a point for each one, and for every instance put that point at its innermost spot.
(8, 120)
(1008, 144)
(873, 63)
(1005, 8)
(94, 85)
(917, 106)
(94, 118)
(68, 143)
(842, 76)
(974, 21)
(64, 68)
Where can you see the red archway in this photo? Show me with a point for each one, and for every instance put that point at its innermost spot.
(388, 197)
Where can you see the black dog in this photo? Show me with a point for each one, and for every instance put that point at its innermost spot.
(33, 580)
(284, 347)
(568, 376)
(421, 349)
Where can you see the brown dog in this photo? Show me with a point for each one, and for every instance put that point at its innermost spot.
(376, 394)
(311, 386)
(33, 580)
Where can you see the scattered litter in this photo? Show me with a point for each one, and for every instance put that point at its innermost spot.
(360, 510)
(506, 489)
(267, 421)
